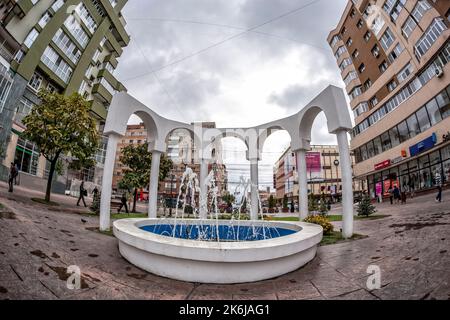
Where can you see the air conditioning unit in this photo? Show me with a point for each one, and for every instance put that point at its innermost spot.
(439, 71)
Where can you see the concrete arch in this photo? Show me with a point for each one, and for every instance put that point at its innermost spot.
(331, 101)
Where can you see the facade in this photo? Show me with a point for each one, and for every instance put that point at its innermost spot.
(323, 173)
(393, 56)
(64, 46)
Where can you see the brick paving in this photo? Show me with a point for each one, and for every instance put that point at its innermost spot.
(38, 243)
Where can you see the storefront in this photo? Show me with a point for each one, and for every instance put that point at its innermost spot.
(427, 161)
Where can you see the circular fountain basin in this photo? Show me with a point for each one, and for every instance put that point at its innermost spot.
(152, 245)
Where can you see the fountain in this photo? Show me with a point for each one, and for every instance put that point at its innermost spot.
(213, 250)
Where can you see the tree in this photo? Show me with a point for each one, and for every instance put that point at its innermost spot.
(229, 199)
(285, 202)
(365, 207)
(61, 125)
(323, 207)
(312, 203)
(138, 161)
(272, 202)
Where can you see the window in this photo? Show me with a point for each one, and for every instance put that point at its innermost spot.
(67, 46)
(374, 101)
(377, 145)
(35, 81)
(361, 108)
(395, 53)
(392, 85)
(370, 149)
(360, 24)
(403, 131)
(387, 39)
(377, 25)
(23, 109)
(408, 27)
(375, 51)
(340, 51)
(423, 120)
(413, 125)
(77, 31)
(27, 156)
(57, 64)
(420, 9)
(361, 68)
(352, 13)
(357, 91)
(344, 31)
(433, 112)
(45, 19)
(349, 42)
(367, 36)
(385, 141)
(405, 73)
(367, 84)
(346, 62)
(395, 138)
(351, 75)
(363, 151)
(31, 37)
(383, 66)
(355, 54)
(335, 40)
(444, 103)
(429, 37)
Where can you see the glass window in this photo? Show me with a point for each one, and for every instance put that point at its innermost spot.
(445, 154)
(363, 152)
(433, 112)
(422, 117)
(444, 104)
(395, 139)
(370, 149)
(425, 173)
(387, 39)
(403, 131)
(27, 156)
(377, 145)
(413, 125)
(385, 141)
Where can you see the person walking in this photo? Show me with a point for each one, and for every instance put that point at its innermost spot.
(396, 194)
(123, 203)
(438, 180)
(13, 172)
(411, 186)
(83, 193)
(391, 194)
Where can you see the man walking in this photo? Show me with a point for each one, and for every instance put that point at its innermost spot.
(13, 172)
(439, 186)
(123, 203)
(82, 194)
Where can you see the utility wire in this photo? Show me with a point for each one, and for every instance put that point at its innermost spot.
(237, 35)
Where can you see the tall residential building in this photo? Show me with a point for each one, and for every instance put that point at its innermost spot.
(65, 46)
(323, 171)
(393, 56)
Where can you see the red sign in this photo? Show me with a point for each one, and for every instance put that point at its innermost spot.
(313, 163)
(383, 165)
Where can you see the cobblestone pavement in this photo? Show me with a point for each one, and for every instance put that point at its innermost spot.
(38, 243)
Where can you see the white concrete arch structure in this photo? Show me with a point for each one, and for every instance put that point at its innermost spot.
(331, 101)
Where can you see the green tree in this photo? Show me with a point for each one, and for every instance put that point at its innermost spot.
(365, 207)
(285, 202)
(61, 125)
(229, 199)
(272, 202)
(312, 204)
(138, 161)
(323, 207)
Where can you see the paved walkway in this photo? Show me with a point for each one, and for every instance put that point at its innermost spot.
(37, 243)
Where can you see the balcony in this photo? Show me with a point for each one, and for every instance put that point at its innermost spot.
(99, 109)
(113, 84)
(100, 91)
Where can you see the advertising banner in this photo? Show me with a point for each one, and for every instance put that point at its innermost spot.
(314, 165)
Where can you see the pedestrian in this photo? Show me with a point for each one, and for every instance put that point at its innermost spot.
(438, 180)
(411, 186)
(396, 194)
(83, 192)
(17, 173)
(12, 175)
(123, 203)
(403, 196)
(391, 194)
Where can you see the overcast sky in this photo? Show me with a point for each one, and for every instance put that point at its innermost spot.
(268, 73)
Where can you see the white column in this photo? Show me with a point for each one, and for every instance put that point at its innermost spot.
(302, 184)
(254, 190)
(203, 189)
(347, 188)
(153, 188)
(105, 202)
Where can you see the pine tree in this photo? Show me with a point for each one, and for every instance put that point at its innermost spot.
(312, 204)
(365, 207)
(323, 208)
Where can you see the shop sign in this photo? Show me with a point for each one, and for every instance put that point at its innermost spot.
(424, 145)
(383, 165)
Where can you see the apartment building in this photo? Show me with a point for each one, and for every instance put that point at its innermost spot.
(393, 56)
(65, 46)
(323, 170)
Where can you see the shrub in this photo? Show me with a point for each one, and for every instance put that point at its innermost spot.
(365, 207)
(322, 221)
